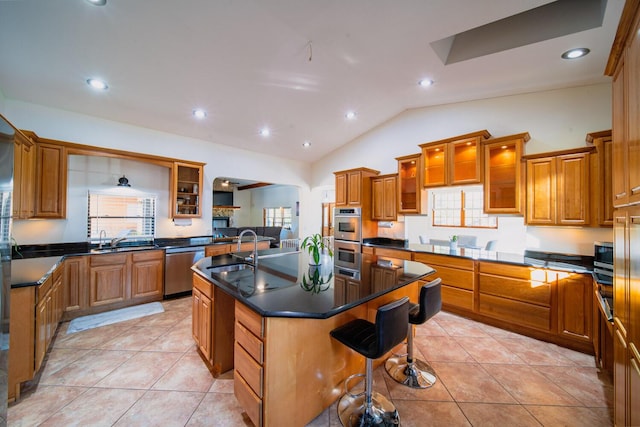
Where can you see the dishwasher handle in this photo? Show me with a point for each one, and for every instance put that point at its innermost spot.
(170, 251)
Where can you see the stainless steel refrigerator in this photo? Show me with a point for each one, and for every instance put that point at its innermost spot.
(7, 135)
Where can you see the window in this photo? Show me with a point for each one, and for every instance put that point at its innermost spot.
(276, 217)
(121, 214)
(461, 208)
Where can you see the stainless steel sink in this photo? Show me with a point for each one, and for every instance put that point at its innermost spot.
(230, 268)
(121, 249)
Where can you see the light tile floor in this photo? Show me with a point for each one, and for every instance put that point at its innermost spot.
(146, 372)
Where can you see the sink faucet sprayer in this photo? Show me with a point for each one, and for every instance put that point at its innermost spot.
(254, 255)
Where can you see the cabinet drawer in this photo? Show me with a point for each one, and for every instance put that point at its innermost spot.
(250, 319)
(147, 256)
(44, 288)
(111, 259)
(203, 286)
(249, 369)
(443, 260)
(247, 399)
(523, 290)
(516, 312)
(453, 277)
(393, 253)
(252, 344)
(517, 272)
(457, 297)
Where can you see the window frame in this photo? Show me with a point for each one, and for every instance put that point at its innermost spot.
(462, 210)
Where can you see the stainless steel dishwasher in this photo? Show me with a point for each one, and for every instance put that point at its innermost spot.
(177, 269)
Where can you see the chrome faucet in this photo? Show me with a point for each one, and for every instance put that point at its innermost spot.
(121, 237)
(103, 233)
(254, 255)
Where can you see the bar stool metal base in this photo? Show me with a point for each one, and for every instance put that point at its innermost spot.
(352, 411)
(417, 374)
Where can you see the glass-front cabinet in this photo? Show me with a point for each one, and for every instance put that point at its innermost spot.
(186, 199)
(409, 188)
(503, 174)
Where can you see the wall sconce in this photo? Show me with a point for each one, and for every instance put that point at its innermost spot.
(123, 182)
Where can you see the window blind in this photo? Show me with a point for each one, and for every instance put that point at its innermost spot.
(116, 213)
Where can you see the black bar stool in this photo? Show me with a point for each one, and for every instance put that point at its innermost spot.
(372, 341)
(406, 370)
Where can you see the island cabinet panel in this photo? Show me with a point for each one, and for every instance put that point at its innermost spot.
(48, 313)
(518, 295)
(458, 279)
(213, 325)
(21, 339)
(575, 306)
(219, 249)
(109, 279)
(147, 275)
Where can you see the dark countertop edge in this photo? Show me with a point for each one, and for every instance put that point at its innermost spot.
(477, 256)
(44, 277)
(299, 315)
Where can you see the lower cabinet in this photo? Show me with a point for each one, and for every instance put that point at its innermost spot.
(75, 283)
(147, 275)
(213, 325)
(48, 314)
(225, 248)
(458, 280)
(575, 307)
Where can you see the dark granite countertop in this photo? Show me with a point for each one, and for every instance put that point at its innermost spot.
(550, 260)
(284, 286)
(32, 271)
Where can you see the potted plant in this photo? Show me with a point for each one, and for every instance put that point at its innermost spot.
(453, 242)
(315, 245)
(316, 281)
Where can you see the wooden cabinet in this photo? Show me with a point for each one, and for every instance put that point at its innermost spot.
(601, 178)
(409, 188)
(558, 188)
(384, 198)
(453, 161)
(109, 280)
(218, 249)
(575, 306)
(213, 325)
(24, 175)
(48, 314)
(75, 283)
(503, 174)
(458, 280)
(248, 371)
(516, 294)
(147, 275)
(51, 181)
(353, 187)
(186, 190)
(21, 339)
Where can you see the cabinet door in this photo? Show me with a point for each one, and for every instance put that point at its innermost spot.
(575, 309)
(620, 371)
(634, 385)
(27, 181)
(620, 273)
(377, 197)
(572, 194)
(147, 275)
(219, 249)
(196, 297)
(186, 200)
(17, 178)
(390, 198)
(204, 327)
(341, 189)
(619, 138)
(75, 283)
(108, 280)
(42, 329)
(541, 191)
(465, 162)
(51, 181)
(354, 188)
(602, 181)
(503, 179)
(436, 168)
(409, 191)
(634, 275)
(632, 90)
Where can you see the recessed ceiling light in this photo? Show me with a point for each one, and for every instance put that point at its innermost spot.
(97, 84)
(575, 53)
(306, 144)
(199, 113)
(265, 132)
(350, 115)
(425, 82)
(98, 2)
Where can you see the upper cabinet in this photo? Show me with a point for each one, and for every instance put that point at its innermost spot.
(558, 188)
(51, 180)
(503, 174)
(353, 187)
(409, 188)
(601, 178)
(453, 161)
(24, 176)
(384, 197)
(186, 190)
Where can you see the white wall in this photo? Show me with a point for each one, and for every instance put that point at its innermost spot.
(556, 120)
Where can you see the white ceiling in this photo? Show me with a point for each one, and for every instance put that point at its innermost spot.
(294, 65)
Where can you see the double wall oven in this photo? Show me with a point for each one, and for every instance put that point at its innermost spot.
(347, 243)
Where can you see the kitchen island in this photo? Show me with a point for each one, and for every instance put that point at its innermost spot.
(271, 325)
